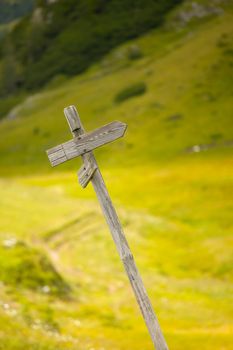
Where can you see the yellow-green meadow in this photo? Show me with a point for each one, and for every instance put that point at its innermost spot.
(170, 178)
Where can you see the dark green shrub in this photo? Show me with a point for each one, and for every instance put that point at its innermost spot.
(131, 91)
(23, 266)
(216, 137)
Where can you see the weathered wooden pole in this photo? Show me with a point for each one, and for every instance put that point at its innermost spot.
(83, 144)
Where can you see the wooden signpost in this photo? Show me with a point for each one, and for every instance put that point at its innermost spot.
(82, 145)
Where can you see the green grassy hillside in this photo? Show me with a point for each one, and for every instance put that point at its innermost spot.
(170, 178)
(67, 36)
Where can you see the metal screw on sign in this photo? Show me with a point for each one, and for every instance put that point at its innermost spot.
(82, 145)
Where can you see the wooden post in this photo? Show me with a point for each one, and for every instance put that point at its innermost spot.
(90, 172)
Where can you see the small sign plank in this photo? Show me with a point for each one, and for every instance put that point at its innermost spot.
(86, 172)
(86, 143)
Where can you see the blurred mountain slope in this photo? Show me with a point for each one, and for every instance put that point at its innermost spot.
(67, 36)
(180, 81)
(13, 9)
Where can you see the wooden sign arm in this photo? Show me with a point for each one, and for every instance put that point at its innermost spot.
(86, 143)
(118, 236)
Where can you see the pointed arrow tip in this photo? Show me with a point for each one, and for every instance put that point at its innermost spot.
(123, 126)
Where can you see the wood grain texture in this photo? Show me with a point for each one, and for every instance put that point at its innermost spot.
(122, 247)
(72, 120)
(86, 172)
(85, 143)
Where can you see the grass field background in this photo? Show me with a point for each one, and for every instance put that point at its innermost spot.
(170, 177)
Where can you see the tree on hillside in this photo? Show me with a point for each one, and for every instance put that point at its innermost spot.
(11, 76)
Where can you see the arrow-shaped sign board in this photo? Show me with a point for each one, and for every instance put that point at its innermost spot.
(86, 143)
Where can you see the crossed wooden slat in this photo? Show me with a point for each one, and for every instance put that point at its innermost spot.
(86, 142)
